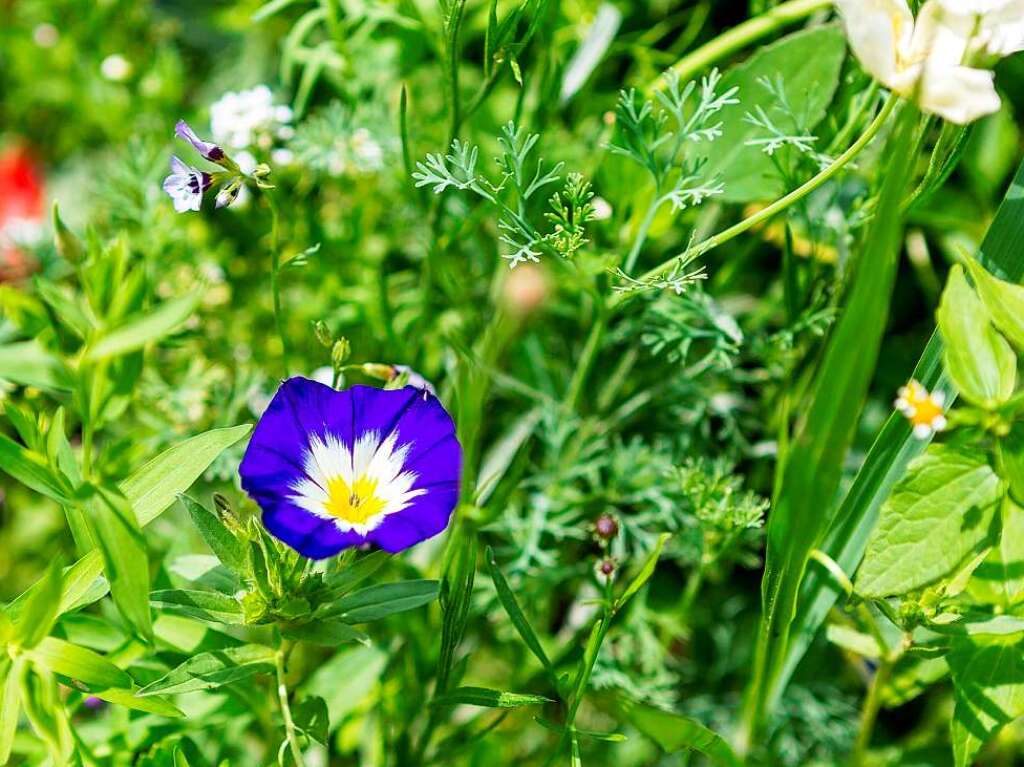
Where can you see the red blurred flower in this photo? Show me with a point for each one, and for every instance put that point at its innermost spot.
(22, 204)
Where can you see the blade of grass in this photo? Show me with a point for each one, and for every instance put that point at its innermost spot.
(814, 465)
(1002, 253)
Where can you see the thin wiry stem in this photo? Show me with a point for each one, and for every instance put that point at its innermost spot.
(286, 711)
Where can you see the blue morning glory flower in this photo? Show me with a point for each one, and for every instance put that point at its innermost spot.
(333, 469)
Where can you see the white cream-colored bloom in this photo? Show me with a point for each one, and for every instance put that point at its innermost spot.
(929, 58)
(922, 408)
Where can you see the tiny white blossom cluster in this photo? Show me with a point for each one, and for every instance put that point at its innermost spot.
(250, 119)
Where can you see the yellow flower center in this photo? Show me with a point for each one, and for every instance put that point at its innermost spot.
(926, 410)
(355, 504)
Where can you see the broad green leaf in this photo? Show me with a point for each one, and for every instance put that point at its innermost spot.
(310, 715)
(1011, 459)
(36, 619)
(814, 463)
(27, 363)
(222, 542)
(125, 561)
(674, 732)
(1003, 255)
(515, 613)
(1003, 300)
(645, 572)
(807, 65)
(980, 361)
(939, 515)
(138, 331)
(210, 670)
(988, 685)
(481, 696)
(77, 663)
(30, 469)
(330, 632)
(999, 580)
(154, 486)
(911, 676)
(382, 600)
(207, 605)
(152, 704)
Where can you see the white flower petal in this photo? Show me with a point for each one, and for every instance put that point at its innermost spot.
(878, 30)
(958, 94)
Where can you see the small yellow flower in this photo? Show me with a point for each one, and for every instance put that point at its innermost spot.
(922, 409)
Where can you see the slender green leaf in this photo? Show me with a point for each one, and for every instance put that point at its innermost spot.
(143, 329)
(674, 732)
(81, 584)
(125, 560)
(481, 696)
(330, 632)
(77, 663)
(10, 703)
(515, 613)
(154, 486)
(814, 465)
(1002, 253)
(152, 704)
(645, 572)
(210, 670)
(30, 469)
(36, 619)
(207, 605)
(27, 363)
(382, 600)
(341, 583)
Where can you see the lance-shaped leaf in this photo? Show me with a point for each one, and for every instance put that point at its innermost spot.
(31, 469)
(382, 600)
(125, 560)
(340, 583)
(225, 544)
(482, 696)
(39, 610)
(515, 613)
(80, 584)
(210, 670)
(144, 328)
(207, 605)
(675, 732)
(10, 703)
(154, 486)
(151, 704)
(77, 663)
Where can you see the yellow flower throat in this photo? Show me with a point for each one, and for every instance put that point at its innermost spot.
(355, 504)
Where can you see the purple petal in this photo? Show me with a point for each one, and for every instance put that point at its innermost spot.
(278, 456)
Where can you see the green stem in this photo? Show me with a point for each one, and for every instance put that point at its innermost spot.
(869, 713)
(579, 375)
(782, 203)
(641, 235)
(286, 711)
(275, 272)
(745, 34)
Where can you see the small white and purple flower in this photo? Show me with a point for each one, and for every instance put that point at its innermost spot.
(335, 469)
(208, 150)
(186, 185)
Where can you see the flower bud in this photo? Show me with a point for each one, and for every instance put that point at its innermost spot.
(323, 333)
(340, 352)
(525, 289)
(606, 568)
(606, 527)
(68, 245)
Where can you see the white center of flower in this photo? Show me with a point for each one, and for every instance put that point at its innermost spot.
(356, 489)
